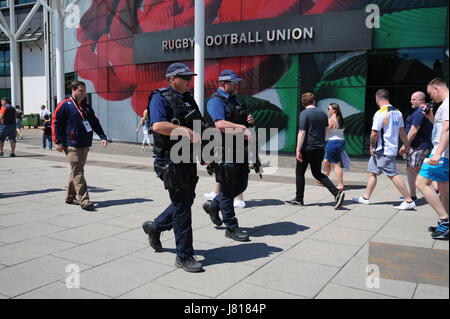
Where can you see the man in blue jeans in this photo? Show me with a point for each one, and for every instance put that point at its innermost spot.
(7, 125)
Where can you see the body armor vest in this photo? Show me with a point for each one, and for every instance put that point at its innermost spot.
(180, 108)
(234, 113)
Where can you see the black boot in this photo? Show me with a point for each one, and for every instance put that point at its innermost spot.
(189, 264)
(213, 213)
(153, 235)
(237, 234)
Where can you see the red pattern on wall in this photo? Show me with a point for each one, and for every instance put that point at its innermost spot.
(105, 56)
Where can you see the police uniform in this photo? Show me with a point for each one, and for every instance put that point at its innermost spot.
(180, 179)
(231, 175)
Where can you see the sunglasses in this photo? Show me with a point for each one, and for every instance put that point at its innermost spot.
(185, 77)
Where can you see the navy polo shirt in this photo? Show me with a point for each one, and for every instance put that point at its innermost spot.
(422, 140)
(160, 110)
(216, 106)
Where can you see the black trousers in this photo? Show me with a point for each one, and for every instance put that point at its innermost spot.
(313, 158)
(228, 191)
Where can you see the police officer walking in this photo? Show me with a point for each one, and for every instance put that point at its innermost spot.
(168, 108)
(225, 112)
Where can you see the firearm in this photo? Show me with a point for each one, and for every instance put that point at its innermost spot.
(257, 163)
(189, 119)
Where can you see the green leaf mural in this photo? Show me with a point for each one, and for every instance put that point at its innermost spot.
(424, 27)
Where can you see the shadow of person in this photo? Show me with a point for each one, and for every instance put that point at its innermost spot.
(25, 193)
(263, 202)
(275, 229)
(93, 189)
(234, 253)
(119, 202)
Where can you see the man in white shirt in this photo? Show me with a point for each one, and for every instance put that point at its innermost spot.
(436, 169)
(44, 112)
(387, 127)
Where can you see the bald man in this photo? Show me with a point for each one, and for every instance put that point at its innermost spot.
(419, 131)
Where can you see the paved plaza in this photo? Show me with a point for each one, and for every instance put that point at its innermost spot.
(367, 252)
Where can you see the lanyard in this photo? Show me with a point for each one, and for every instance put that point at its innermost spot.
(78, 109)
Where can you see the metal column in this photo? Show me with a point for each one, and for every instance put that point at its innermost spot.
(199, 54)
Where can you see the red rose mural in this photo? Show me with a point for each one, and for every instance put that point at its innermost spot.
(105, 56)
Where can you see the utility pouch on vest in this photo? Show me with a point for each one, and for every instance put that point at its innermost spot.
(174, 176)
(226, 173)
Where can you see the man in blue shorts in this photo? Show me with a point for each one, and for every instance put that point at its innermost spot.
(436, 166)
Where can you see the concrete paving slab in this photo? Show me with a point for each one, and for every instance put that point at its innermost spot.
(217, 277)
(22, 278)
(322, 252)
(167, 256)
(342, 235)
(372, 211)
(356, 274)
(87, 233)
(333, 291)
(122, 275)
(153, 291)
(30, 249)
(59, 290)
(244, 290)
(292, 276)
(441, 244)
(77, 219)
(22, 232)
(362, 223)
(406, 234)
(100, 251)
(424, 291)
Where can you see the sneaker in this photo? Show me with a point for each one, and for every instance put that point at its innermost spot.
(441, 232)
(213, 213)
(12, 155)
(406, 206)
(210, 196)
(239, 203)
(361, 200)
(295, 202)
(237, 234)
(189, 264)
(432, 229)
(153, 235)
(1, 154)
(339, 199)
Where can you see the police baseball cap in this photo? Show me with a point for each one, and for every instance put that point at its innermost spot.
(229, 75)
(178, 69)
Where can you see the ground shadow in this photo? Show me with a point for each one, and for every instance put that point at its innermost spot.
(263, 202)
(349, 187)
(234, 254)
(119, 202)
(25, 193)
(93, 189)
(275, 229)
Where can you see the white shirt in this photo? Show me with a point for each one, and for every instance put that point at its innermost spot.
(439, 118)
(387, 121)
(45, 112)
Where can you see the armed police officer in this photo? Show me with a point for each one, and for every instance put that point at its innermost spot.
(168, 108)
(230, 117)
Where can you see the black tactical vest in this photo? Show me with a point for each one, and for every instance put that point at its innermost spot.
(180, 106)
(235, 113)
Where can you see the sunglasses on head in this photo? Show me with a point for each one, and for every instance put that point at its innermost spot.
(185, 77)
